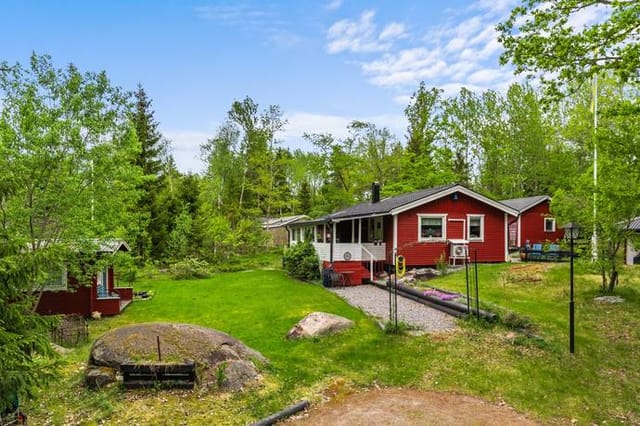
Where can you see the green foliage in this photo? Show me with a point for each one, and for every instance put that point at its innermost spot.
(66, 155)
(190, 268)
(442, 264)
(301, 261)
(180, 237)
(402, 327)
(618, 183)
(26, 357)
(151, 158)
(539, 39)
(515, 321)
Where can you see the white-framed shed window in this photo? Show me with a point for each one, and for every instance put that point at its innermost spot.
(549, 224)
(56, 280)
(475, 227)
(432, 227)
(102, 282)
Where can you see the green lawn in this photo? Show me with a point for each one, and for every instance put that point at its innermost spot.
(534, 374)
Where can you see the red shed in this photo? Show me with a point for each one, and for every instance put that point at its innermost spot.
(535, 223)
(67, 295)
(444, 223)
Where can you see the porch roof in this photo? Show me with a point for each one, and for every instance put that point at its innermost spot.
(403, 202)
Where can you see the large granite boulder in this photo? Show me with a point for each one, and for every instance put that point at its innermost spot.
(319, 324)
(210, 349)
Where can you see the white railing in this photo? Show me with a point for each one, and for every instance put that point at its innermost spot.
(323, 250)
(364, 251)
(371, 259)
(379, 250)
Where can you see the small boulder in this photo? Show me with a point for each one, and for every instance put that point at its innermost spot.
(319, 324)
(238, 373)
(609, 299)
(98, 377)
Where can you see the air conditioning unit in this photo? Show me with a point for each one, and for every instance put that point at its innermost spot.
(458, 250)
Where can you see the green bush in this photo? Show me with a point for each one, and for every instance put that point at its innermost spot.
(301, 261)
(516, 321)
(190, 268)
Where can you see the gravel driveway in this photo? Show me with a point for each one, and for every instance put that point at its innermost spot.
(375, 302)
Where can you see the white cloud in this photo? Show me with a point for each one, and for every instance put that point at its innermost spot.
(460, 52)
(588, 16)
(403, 100)
(185, 148)
(355, 36)
(300, 122)
(483, 77)
(334, 5)
(394, 30)
(455, 44)
(283, 38)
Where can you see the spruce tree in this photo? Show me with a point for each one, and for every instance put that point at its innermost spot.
(150, 159)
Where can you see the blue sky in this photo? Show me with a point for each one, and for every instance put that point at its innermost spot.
(324, 63)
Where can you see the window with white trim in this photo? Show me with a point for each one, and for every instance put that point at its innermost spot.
(475, 224)
(549, 224)
(432, 227)
(56, 280)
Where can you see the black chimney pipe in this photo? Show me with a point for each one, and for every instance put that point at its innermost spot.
(375, 192)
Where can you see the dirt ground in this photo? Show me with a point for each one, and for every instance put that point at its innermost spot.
(410, 407)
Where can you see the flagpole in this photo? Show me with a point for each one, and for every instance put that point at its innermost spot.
(594, 237)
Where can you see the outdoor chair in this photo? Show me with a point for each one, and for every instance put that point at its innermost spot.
(535, 252)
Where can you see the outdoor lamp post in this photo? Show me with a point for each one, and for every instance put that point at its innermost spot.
(572, 231)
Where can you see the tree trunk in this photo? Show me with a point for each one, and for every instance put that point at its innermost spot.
(613, 281)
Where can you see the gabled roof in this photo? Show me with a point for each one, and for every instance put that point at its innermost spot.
(634, 224)
(277, 222)
(526, 203)
(111, 246)
(404, 202)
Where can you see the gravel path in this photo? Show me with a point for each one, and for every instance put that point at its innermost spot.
(375, 302)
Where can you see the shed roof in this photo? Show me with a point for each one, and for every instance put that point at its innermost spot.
(111, 246)
(634, 224)
(277, 222)
(524, 204)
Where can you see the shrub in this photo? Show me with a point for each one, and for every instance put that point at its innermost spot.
(516, 321)
(190, 268)
(301, 261)
(442, 265)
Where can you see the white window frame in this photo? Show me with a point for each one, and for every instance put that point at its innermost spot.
(102, 280)
(50, 286)
(475, 216)
(553, 224)
(442, 217)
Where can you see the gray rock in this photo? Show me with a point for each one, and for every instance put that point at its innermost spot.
(237, 374)
(210, 349)
(98, 377)
(176, 341)
(609, 299)
(318, 324)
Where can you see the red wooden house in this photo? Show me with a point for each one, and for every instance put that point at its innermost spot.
(69, 296)
(535, 224)
(445, 223)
